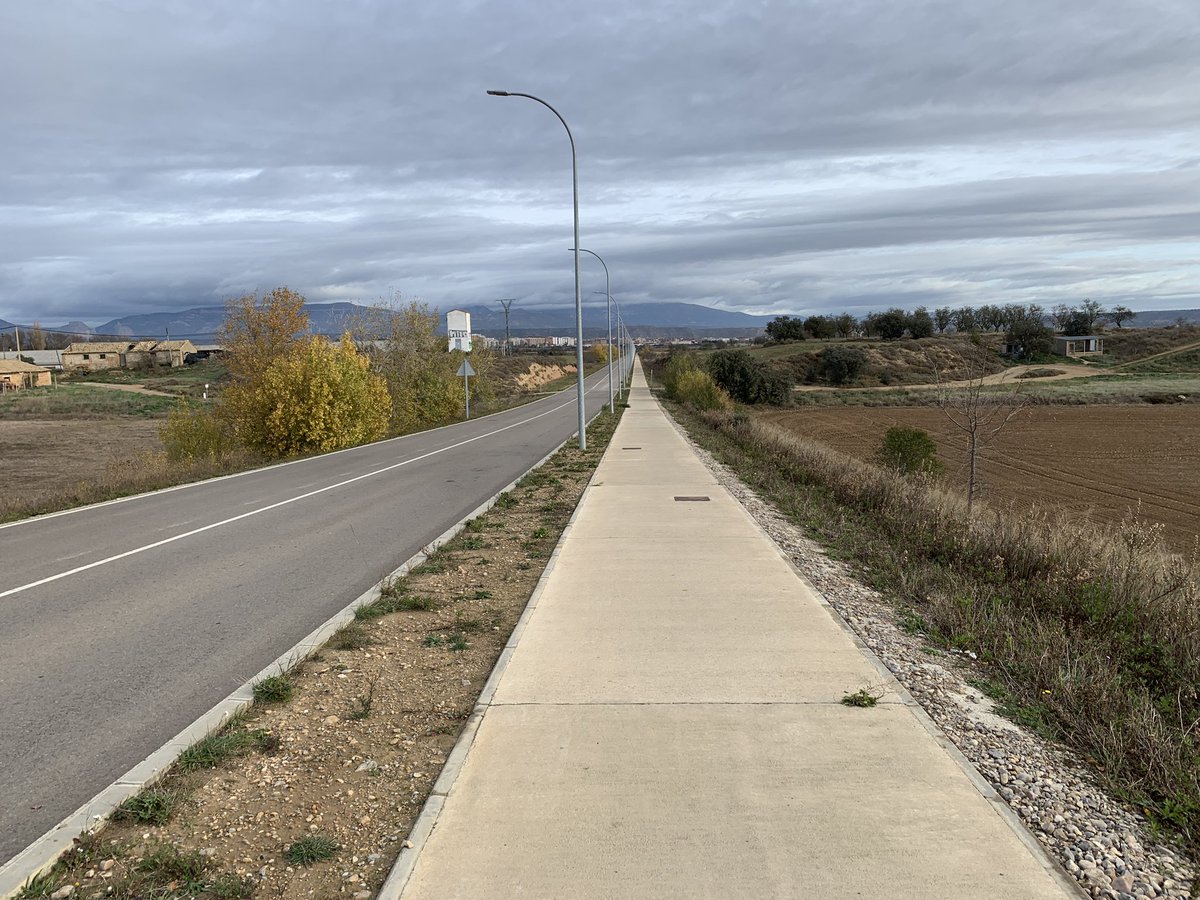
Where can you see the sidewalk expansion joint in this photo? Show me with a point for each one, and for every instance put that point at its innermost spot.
(497, 703)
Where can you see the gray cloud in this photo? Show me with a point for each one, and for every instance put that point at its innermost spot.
(772, 156)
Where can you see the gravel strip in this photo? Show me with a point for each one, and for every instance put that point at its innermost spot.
(1107, 847)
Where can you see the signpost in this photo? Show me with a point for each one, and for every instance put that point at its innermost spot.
(466, 372)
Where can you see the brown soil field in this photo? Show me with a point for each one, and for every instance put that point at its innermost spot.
(1094, 461)
(44, 456)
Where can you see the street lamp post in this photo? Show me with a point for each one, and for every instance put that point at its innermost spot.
(608, 294)
(579, 394)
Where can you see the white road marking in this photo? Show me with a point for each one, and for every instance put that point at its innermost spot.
(254, 512)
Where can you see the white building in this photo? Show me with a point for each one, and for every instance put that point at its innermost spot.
(458, 330)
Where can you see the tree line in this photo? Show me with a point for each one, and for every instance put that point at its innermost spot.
(895, 323)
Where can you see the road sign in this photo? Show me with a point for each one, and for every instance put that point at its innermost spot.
(465, 372)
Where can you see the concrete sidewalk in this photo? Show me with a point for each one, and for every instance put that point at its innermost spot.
(670, 725)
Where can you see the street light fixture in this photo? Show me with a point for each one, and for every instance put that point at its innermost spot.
(607, 293)
(579, 394)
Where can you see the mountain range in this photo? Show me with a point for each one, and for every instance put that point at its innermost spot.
(645, 320)
(668, 319)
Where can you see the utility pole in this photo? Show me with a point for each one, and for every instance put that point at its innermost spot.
(507, 304)
(17, 332)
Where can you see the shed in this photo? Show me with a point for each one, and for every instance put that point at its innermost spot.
(1078, 345)
(15, 374)
(172, 353)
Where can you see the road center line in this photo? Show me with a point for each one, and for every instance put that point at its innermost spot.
(254, 512)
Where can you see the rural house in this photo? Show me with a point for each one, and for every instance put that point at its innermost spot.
(1079, 345)
(95, 357)
(173, 353)
(16, 374)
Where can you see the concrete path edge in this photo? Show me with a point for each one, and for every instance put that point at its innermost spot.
(1052, 866)
(397, 879)
(49, 848)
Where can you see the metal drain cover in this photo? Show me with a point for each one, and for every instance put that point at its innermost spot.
(691, 499)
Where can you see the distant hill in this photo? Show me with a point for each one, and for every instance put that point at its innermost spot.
(658, 319)
(1157, 318)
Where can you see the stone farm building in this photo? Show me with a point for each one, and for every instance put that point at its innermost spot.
(100, 355)
(1078, 345)
(16, 374)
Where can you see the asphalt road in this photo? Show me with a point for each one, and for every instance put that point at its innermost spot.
(121, 624)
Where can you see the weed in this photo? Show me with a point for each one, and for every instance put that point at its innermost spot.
(458, 642)
(473, 543)
(475, 525)
(392, 588)
(467, 623)
(482, 595)
(310, 849)
(170, 864)
(912, 623)
(435, 565)
(153, 806)
(360, 706)
(274, 689)
(351, 637)
(861, 698)
(434, 640)
(417, 602)
(541, 533)
(506, 501)
(216, 748)
(524, 566)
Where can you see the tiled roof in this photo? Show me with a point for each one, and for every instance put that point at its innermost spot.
(99, 347)
(16, 365)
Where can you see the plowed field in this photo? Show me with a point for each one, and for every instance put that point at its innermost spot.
(1094, 461)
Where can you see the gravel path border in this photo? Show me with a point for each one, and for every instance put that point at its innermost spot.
(1110, 849)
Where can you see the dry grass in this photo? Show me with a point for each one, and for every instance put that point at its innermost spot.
(1095, 631)
(148, 471)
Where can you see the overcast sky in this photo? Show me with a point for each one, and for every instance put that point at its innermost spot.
(765, 156)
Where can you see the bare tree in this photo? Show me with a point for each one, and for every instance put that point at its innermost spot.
(980, 414)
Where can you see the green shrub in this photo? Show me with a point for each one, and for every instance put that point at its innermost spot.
(673, 370)
(745, 379)
(193, 434)
(838, 365)
(698, 389)
(909, 450)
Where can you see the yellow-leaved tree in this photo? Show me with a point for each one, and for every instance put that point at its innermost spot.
(407, 350)
(315, 397)
(258, 330)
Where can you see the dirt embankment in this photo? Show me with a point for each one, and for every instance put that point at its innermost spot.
(539, 375)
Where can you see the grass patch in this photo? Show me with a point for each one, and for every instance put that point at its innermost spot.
(435, 565)
(311, 849)
(153, 806)
(467, 623)
(217, 748)
(81, 401)
(351, 637)
(274, 689)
